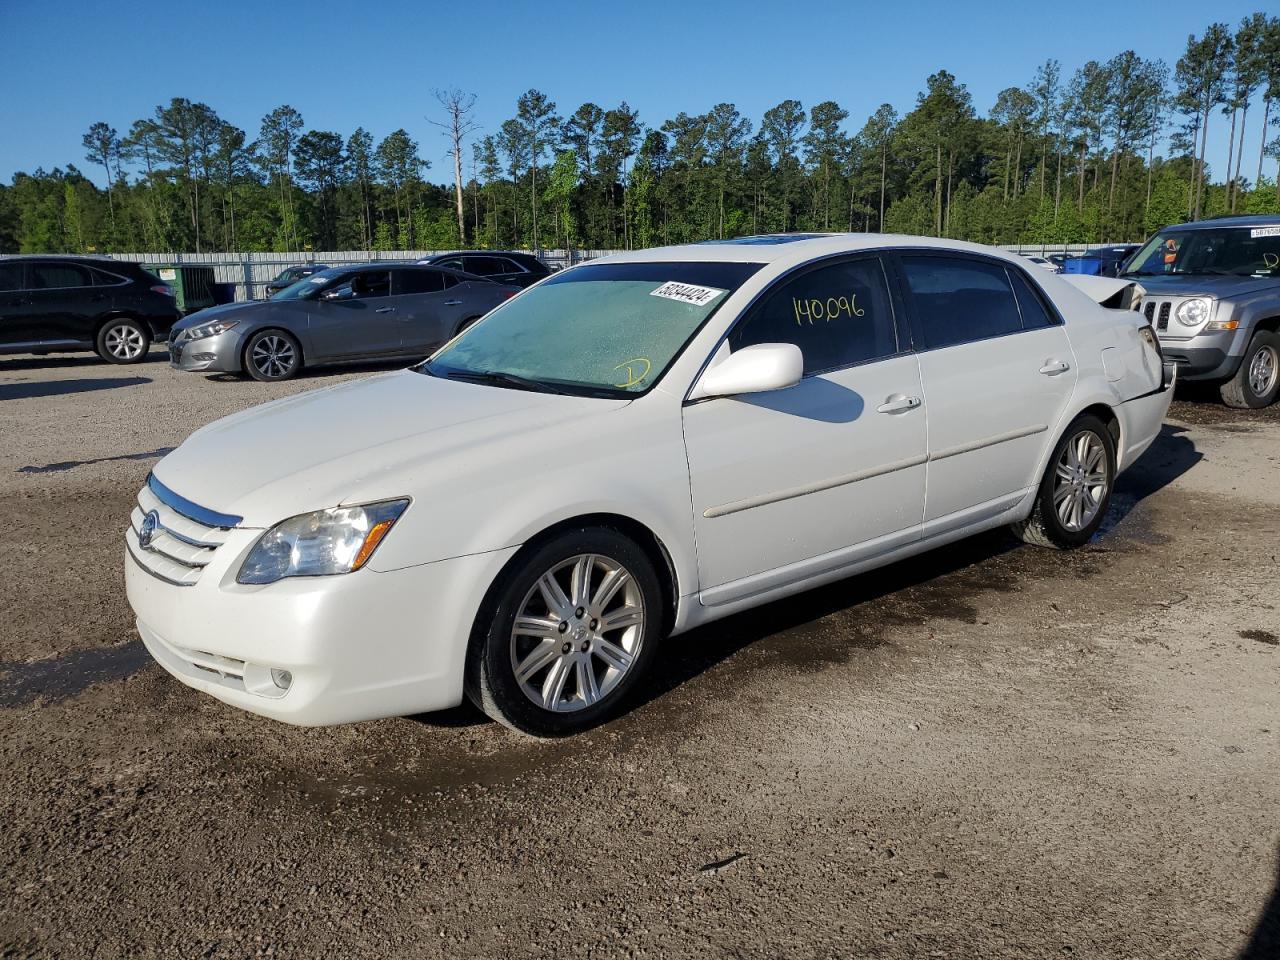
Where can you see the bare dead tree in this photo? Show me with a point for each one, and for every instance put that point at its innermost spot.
(456, 126)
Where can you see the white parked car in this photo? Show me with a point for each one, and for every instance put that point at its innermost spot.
(629, 449)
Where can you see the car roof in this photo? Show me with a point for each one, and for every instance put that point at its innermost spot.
(1244, 220)
(788, 249)
(521, 254)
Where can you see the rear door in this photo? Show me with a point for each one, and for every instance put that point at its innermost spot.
(362, 325)
(61, 302)
(998, 373)
(424, 309)
(792, 483)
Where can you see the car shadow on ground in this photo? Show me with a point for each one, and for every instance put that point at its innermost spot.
(1264, 942)
(950, 576)
(67, 361)
(29, 389)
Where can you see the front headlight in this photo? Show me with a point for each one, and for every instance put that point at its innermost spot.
(210, 329)
(1192, 313)
(337, 540)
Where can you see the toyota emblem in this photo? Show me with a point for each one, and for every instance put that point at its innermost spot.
(147, 532)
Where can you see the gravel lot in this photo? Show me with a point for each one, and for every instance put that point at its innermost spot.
(992, 751)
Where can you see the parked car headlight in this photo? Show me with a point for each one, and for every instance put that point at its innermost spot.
(210, 329)
(1192, 313)
(336, 540)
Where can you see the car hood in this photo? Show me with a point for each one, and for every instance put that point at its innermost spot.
(227, 309)
(1223, 288)
(383, 437)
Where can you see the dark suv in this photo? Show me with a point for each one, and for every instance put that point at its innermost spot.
(500, 266)
(52, 304)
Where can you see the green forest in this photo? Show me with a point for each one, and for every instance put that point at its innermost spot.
(1110, 151)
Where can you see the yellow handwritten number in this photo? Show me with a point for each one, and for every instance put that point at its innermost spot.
(634, 379)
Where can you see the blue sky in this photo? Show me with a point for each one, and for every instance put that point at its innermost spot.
(375, 64)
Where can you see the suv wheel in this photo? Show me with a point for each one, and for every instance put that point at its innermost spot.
(123, 341)
(565, 634)
(1257, 382)
(272, 355)
(1076, 489)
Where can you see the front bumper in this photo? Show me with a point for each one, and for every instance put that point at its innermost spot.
(1207, 356)
(357, 646)
(220, 354)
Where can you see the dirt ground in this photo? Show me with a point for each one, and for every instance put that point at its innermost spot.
(990, 751)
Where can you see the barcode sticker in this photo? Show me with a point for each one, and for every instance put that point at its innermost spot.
(686, 293)
(1265, 232)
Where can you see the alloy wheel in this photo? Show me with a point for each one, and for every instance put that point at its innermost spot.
(273, 356)
(577, 633)
(1080, 481)
(1263, 370)
(124, 342)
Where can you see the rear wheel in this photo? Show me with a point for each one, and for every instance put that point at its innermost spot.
(575, 623)
(1257, 382)
(1076, 488)
(272, 355)
(124, 341)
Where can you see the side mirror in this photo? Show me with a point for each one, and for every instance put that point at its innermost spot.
(343, 292)
(754, 369)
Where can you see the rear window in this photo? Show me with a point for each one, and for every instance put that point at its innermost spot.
(55, 276)
(960, 300)
(10, 276)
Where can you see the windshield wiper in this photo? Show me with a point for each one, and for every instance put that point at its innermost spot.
(502, 378)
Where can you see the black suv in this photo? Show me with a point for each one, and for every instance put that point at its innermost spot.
(51, 304)
(500, 266)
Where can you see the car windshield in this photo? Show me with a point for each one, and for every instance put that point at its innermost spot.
(1222, 251)
(597, 330)
(309, 287)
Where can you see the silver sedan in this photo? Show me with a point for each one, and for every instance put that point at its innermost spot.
(339, 315)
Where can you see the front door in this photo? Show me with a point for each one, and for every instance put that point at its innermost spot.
(998, 373)
(361, 324)
(791, 483)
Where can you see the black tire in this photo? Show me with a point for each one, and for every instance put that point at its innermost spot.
(1045, 527)
(1261, 362)
(123, 340)
(491, 680)
(272, 355)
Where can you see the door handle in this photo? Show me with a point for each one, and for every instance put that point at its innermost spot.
(453, 303)
(385, 310)
(1054, 367)
(898, 403)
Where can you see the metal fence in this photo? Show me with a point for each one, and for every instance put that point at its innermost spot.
(250, 272)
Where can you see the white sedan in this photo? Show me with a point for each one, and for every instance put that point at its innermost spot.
(625, 451)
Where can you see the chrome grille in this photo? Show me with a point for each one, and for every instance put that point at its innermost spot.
(182, 538)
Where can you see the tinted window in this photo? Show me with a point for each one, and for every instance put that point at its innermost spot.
(486, 266)
(1034, 313)
(453, 263)
(957, 301)
(10, 276)
(837, 315)
(51, 276)
(372, 284)
(103, 279)
(419, 281)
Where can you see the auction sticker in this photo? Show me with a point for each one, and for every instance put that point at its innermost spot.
(1265, 232)
(686, 293)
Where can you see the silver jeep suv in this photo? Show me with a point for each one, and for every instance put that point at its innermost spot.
(1213, 296)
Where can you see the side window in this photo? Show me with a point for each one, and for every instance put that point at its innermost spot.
(837, 315)
(419, 280)
(453, 263)
(508, 266)
(1030, 305)
(103, 279)
(484, 266)
(365, 286)
(958, 301)
(53, 276)
(10, 275)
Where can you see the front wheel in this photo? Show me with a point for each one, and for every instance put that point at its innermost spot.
(1076, 488)
(272, 355)
(1257, 382)
(124, 341)
(574, 624)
